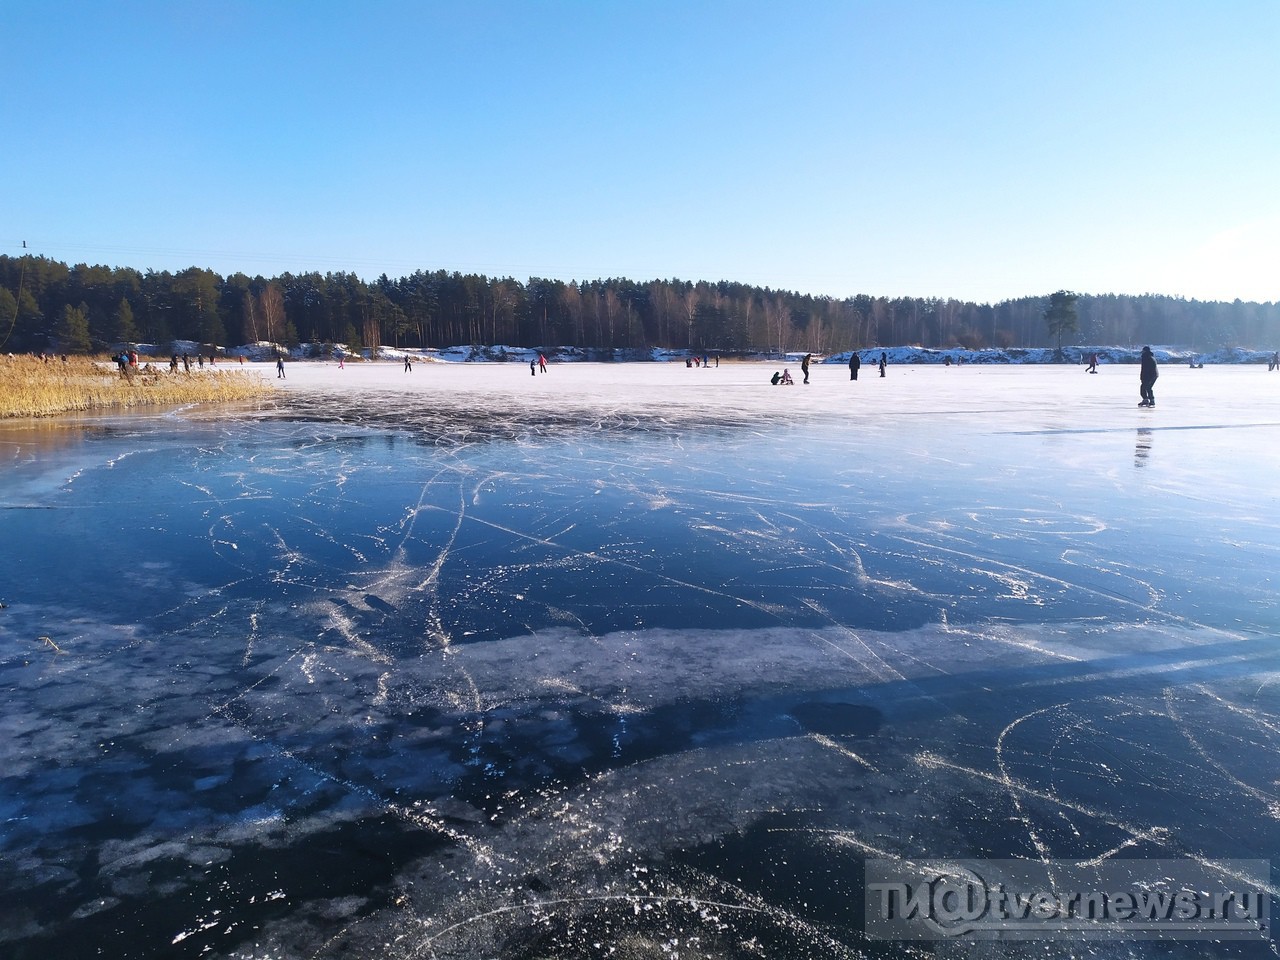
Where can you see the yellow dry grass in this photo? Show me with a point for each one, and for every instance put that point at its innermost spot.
(30, 387)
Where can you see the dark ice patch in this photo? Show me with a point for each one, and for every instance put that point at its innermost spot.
(838, 719)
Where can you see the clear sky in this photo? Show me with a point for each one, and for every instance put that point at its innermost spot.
(957, 148)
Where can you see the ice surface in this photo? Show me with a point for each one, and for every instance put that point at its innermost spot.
(624, 660)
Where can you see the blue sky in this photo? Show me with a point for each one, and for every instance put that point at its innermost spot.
(977, 150)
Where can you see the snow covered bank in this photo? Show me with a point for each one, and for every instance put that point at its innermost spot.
(502, 353)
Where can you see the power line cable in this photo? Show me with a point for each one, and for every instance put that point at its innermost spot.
(22, 275)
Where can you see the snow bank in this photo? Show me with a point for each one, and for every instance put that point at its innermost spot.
(502, 353)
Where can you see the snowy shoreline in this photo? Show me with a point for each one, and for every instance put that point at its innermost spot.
(500, 353)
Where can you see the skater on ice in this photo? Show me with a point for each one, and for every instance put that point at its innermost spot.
(1147, 375)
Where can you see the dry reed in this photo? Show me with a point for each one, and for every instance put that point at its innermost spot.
(30, 387)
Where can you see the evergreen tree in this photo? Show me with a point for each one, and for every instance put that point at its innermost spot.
(27, 327)
(351, 339)
(125, 329)
(73, 331)
(1060, 316)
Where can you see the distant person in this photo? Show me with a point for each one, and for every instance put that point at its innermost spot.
(804, 366)
(533, 367)
(884, 362)
(855, 362)
(1147, 374)
(186, 363)
(786, 377)
(280, 369)
(542, 364)
(200, 360)
(173, 364)
(946, 361)
(341, 364)
(1093, 364)
(408, 364)
(1275, 361)
(776, 378)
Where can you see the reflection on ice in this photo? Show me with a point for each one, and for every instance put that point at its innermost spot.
(625, 664)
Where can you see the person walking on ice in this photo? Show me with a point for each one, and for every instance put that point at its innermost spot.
(855, 362)
(408, 364)
(1147, 374)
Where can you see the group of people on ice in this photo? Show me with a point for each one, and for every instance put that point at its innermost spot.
(1148, 372)
(855, 364)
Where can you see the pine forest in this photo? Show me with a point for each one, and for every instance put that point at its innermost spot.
(47, 305)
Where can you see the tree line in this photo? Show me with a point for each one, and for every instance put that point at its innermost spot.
(46, 305)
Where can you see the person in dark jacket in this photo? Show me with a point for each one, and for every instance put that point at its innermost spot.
(854, 363)
(804, 366)
(1147, 375)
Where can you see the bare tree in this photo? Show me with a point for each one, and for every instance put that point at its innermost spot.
(251, 316)
(778, 315)
(690, 301)
(878, 321)
(271, 303)
(502, 307)
(370, 329)
(816, 332)
(611, 308)
(663, 297)
(571, 297)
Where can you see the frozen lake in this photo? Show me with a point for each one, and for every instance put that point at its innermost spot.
(626, 660)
